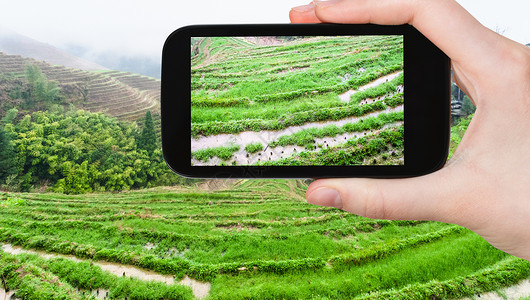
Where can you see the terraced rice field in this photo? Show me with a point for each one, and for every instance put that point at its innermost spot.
(297, 101)
(234, 240)
(121, 94)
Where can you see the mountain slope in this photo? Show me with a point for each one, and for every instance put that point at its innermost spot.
(120, 94)
(17, 44)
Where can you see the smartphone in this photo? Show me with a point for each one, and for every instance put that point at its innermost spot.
(304, 101)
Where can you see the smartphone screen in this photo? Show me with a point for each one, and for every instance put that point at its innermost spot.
(297, 100)
(304, 100)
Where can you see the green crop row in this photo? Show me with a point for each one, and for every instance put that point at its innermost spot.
(362, 227)
(272, 56)
(503, 274)
(380, 90)
(377, 252)
(354, 152)
(326, 57)
(353, 83)
(224, 153)
(179, 267)
(254, 147)
(307, 137)
(174, 266)
(81, 275)
(215, 80)
(208, 272)
(395, 100)
(282, 267)
(89, 221)
(219, 102)
(54, 205)
(32, 282)
(312, 78)
(183, 241)
(284, 121)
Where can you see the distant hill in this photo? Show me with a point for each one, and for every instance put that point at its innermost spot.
(140, 64)
(17, 44)
(121, 94)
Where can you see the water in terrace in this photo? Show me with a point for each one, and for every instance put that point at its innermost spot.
(6, 296)
(345, 97)
(267, 136)
(242, 157)
(200, 289)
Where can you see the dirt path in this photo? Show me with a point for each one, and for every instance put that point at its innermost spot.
(267, 136)
(200, 289)
(347, 96)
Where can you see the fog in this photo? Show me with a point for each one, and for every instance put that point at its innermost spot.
(128, 27)
(132, 28)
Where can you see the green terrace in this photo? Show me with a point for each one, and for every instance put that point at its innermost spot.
(251, 239)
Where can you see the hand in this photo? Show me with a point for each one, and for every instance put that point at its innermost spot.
(486, 184)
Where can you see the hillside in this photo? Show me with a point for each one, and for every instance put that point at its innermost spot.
(121, 94)
(17, 44)
(243, 239)
(297, 101)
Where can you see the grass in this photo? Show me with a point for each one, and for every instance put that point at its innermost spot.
(259, 239)
(361, 151)
(240, 86)
(64, 275)
(307, 137)
(254, 147)
(262, 82)
(224, 153)
(440, 260)
(380, 90)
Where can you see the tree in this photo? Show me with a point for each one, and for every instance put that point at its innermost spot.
(41, 90)
(10, 116)
(7, 156)
(147, 139)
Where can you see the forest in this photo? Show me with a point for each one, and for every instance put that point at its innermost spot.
(47, 143)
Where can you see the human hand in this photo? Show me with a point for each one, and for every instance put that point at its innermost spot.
(486, 184)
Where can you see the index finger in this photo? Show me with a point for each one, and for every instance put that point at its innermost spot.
(444, 22)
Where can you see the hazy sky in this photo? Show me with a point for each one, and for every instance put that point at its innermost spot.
(140, 27)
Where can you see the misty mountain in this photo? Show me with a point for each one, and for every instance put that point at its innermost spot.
(16, 44)
(139, 64)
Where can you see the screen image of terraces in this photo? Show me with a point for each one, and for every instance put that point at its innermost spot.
(297, 101)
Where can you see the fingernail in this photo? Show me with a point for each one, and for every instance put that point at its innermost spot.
(304, 8)
(325, 197)
(325, 3)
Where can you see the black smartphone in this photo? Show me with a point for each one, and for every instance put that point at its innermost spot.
(304, 101)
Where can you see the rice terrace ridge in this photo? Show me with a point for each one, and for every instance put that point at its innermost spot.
(297, 100)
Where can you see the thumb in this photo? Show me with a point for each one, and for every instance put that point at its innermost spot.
(420, 198)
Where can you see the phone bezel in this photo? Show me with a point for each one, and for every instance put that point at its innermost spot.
(426, 109)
